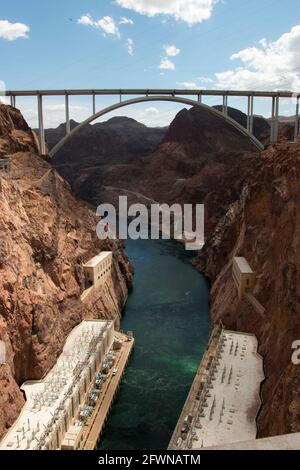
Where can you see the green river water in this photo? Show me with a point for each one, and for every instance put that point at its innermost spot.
(168, 312)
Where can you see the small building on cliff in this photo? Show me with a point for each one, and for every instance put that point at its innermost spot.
(98, 269)
(243, 276)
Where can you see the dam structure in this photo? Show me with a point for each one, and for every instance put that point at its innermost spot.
(67, 410)
(224, 399)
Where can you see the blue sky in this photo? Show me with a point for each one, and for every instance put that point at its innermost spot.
(148, 44)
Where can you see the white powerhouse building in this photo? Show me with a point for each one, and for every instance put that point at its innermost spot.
(98, 268)
(50, 418)
(243, 275)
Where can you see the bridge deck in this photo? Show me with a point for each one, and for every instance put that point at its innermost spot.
(153, 91)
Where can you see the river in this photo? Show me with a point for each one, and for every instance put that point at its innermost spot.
(168, 312)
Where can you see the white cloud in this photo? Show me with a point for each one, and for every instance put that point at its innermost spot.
(129, 44)
(125, 20)
(271, 65)
(166, 64)
(189, 11)
(151, 110)
(86, 20)
(188, 85)
(13, 31)
(171, 50)
(205, 80)
(107, 24)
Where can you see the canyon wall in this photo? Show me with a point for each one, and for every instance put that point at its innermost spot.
(263, 225)
(45, 236)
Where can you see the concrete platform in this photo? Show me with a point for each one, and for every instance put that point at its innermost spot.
(283, 442)
(95, 425)
(225, 396)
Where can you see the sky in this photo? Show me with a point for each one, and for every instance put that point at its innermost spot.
(206, 44)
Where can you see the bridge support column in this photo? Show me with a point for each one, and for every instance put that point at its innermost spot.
(199, 98)
(274, 120)
(13, 101)
(41, 125)
(296, 133)
(225, 105)
(68, 128)
(94, 103)
(250, 115)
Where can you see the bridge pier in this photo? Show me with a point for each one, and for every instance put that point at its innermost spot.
(41, 125)
(225, 105)
(13, 101)
(274, 120)
(94, 103)
(250, 114)
(296, 132)
(68, 128)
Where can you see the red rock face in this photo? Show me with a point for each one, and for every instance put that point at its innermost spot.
(263, 226)
(15, 134)
(45, 236)
(12, 398)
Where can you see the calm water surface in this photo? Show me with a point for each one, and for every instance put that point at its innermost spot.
(168, 313)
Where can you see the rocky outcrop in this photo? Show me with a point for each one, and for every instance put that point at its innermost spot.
(12, 398)
(261, 126)
(15, 134)
(118, 141)
(263, 226)
(202, 159)
(45, 236)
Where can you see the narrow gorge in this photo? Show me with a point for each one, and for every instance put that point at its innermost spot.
(48, 231)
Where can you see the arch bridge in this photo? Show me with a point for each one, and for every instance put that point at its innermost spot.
(187, 97)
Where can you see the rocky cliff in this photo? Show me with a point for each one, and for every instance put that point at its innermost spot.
(102, 148)
(263, 226)
(202, 159)
(45, 236)
(184, 162)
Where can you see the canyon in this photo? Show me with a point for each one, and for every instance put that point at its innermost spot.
(251, 209)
